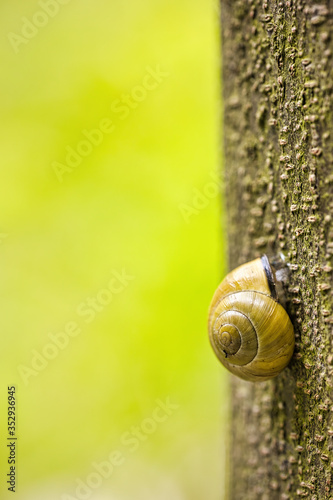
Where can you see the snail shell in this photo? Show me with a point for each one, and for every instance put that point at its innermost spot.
(250, 331)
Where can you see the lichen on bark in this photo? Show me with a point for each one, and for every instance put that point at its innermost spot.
(278, 149)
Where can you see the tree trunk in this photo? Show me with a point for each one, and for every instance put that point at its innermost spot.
(278, 132)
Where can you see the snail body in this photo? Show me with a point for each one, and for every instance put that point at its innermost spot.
(249, 329)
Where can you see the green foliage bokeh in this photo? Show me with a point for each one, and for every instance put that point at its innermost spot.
(142, 200)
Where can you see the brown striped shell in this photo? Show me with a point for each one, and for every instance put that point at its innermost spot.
(250, 331)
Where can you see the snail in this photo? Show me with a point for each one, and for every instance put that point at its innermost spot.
(249, 328)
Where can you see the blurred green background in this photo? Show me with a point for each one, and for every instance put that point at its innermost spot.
(140, 198)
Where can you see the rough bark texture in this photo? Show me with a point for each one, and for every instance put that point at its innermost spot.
(278, 130)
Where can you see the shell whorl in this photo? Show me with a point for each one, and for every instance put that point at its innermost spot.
(250, 331)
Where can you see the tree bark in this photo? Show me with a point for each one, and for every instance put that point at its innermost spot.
(278, 133)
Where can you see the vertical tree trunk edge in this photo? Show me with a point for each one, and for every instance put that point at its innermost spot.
(278, 156)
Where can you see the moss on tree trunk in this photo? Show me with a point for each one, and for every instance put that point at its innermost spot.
(278, 133)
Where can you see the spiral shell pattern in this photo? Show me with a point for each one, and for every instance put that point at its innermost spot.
(251, 333)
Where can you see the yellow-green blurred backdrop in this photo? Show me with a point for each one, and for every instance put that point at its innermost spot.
(114, 236)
